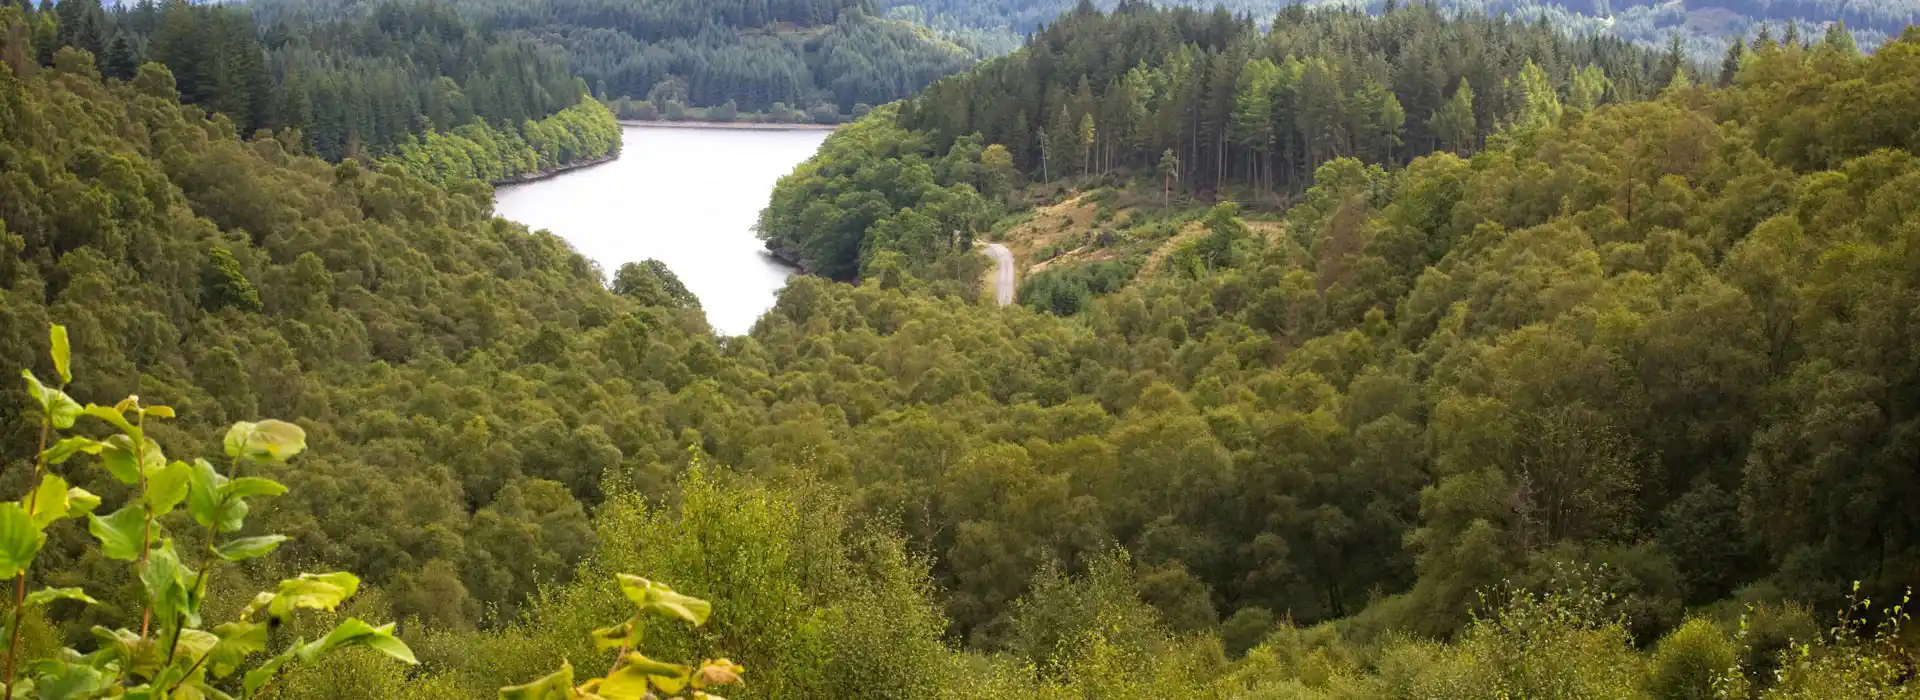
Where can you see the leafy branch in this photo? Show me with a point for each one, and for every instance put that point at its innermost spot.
(194, 660)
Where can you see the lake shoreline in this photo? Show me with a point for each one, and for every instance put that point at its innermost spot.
(734, 126)
(550, 173)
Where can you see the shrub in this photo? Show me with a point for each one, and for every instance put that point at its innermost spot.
(1690, 660)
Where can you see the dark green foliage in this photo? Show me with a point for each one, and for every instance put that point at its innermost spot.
(795, 60)
(1595, 345)
(1067, 290)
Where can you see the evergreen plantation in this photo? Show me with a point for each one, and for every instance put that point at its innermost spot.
(1585, 377)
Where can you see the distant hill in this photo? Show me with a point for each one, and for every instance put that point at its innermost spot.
(1704, 26)
(821, 57)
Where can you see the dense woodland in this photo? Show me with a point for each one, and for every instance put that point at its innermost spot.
(803, 60)
(405, 75)
(1705, 28)
(1209, 96)
(1571, 393)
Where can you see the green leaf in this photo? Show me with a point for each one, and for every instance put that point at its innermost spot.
(266, 441)
(354, 633)
(194, 644)
(258, 677)
(121, 533)
(62, 353)
(555, 686)
(166, 581)
(658, 598)
(238, 640)
(60, 680)
(249, 547)
(56, 403)
(48, 595)
(207, 500)
(113, 415)
(48, 501)
(167, 487)
(81, 502)
(625, 635)
(310, 591)
(20, 540)
(120, 459)
(250, 486)
(157, 412)
(631, 679)
(66, 448)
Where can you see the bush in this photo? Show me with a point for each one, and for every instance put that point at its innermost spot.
(1689, 660)
(1245, 629)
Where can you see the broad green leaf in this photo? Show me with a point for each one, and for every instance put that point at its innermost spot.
(121, 533)
(236, 440)
(555, 686)
(207, 501)
(658, 598)
(353, 633)
(81, 502)
(310, 591)
(20, 540)
(250, 486)
(122, 461)
(158, 411)
(631, 679)
(238, 640)
(625, 635)
(166, 581)
(62, 353)
(61, 680)
(56, 403)
(265, 441)
(194, 644)
(114, 415)
(249, 547)
(167, 487)
(66, 448)
(258, 677)
(48, 595)
(48, 502)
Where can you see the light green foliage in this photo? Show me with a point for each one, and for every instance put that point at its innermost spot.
(633, 676)
(583, 133)
(1542, 101)
(173, 654)
(1692, 662)
(650, 283)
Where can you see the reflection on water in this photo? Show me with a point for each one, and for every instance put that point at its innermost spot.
(687, 197)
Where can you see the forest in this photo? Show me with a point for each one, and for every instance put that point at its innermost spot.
(1705, 28)
(1597, 383)
(788, 60)
(404, 76)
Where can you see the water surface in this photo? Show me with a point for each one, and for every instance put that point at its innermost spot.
(686, 196)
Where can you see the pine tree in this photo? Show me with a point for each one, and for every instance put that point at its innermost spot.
(120, 62)
(1730, 66)
(1839, 41)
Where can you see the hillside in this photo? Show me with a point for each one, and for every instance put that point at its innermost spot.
(1705, 28)
(798, 60)
(1585, 378)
